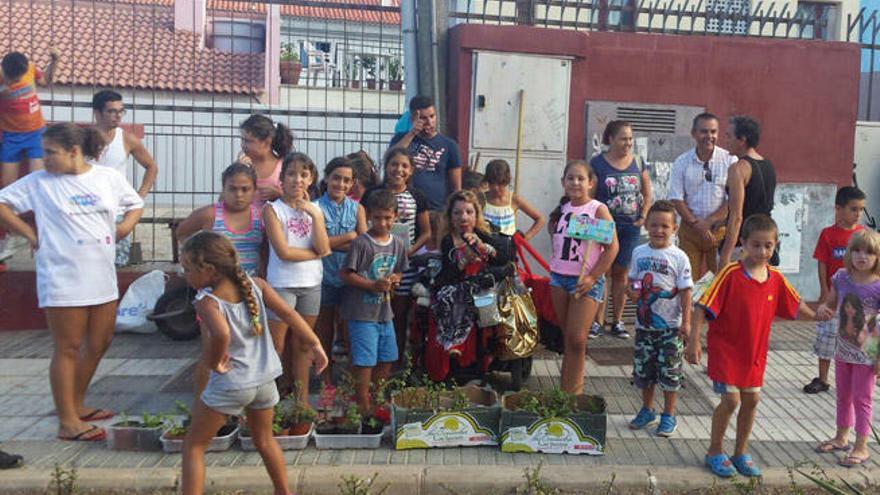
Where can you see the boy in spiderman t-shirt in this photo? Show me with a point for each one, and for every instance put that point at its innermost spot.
(848, 205)
(741, 303)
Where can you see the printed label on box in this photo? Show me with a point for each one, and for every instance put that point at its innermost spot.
(552, 436)
(444, 430)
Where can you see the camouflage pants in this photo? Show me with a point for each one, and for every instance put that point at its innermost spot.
(657, 358)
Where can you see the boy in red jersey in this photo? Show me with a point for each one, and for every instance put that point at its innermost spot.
(848, 205)
(741, 303)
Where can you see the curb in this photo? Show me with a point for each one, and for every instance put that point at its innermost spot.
(418, 480)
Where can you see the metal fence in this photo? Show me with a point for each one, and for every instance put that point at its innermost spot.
(190, 87)
(688, 17)
(863, 28)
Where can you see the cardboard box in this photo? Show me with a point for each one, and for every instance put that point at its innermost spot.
(581, 433)
(416, 426)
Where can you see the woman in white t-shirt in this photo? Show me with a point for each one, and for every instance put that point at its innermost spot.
(297, 241)
(75, 206)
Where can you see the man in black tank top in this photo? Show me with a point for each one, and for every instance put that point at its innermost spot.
(751, 182)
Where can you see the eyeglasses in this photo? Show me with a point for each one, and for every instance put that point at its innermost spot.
(707, 172)
(113, 111)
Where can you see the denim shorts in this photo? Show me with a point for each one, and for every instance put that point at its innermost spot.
(16, 145)
(569, 284)
(628, 236)
(372, 342)
(331, 295)
(304, 300)
(234, 402)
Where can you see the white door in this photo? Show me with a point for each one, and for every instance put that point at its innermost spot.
(498, 79)
(495, 102)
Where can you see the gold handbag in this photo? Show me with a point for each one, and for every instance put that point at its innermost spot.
(519, 321)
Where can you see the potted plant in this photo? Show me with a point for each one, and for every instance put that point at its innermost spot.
(395, 74)
(290, 65)
(354, 73)
(136, 434)
(291, 425)
(554, 422)
(343, 426)
(172, 438)
(368, 62)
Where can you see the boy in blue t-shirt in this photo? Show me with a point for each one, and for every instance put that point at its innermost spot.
(435, 157)
(371, 272)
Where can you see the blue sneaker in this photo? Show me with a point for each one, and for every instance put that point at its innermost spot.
(744, 465)
(595, 331)
(646, 417)
(667, 426)
(720, 465)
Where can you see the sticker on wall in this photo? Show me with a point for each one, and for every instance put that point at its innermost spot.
(790, 215)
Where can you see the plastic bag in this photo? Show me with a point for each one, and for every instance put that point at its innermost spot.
(139, 301)
(520, 325)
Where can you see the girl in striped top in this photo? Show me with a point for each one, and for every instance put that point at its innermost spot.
(501, 204)
(234, 216)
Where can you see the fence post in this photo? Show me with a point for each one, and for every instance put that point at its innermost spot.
(432, 18)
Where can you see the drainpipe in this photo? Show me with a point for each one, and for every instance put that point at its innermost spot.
(191, 15)
(410, 47)
(272, 56)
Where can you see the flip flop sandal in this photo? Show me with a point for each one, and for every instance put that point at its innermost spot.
(97, 415)
(83, 436)
(852, 461)
(744, 465)
(720, 465)
(829, 447)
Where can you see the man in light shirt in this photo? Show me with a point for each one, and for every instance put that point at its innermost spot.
(697, 190)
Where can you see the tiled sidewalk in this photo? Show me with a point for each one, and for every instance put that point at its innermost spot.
(150, 373)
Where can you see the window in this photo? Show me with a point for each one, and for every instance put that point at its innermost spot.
(819, 19)
(616, 15)
(727, 16)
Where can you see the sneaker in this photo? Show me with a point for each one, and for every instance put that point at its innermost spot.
(9, 461)
(619, 331)
(646, 417)
(816, 386)
(595, 331)
(668, 425)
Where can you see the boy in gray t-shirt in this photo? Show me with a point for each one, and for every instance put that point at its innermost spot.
(371, 272)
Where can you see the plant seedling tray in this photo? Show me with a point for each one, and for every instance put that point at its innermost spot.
(348, 441)
(139, 438)
(419, 428)
(286, 442)
(581, 433)
(218, 444)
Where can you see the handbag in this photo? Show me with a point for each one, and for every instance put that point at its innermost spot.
(519, 326)
(486, 301)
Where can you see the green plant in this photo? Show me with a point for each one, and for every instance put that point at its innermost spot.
(289, 53)
(153, 420)
(460, 400)
(556, 403)
(369, 63)
(353, 417)
(352, 485)
(395, 69)
(535, 485)
(63, 480)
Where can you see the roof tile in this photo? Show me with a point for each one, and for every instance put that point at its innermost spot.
(125, 47)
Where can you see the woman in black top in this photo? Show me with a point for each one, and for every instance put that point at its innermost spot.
(751, 182)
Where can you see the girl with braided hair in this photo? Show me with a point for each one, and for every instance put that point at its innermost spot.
(237, 347)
